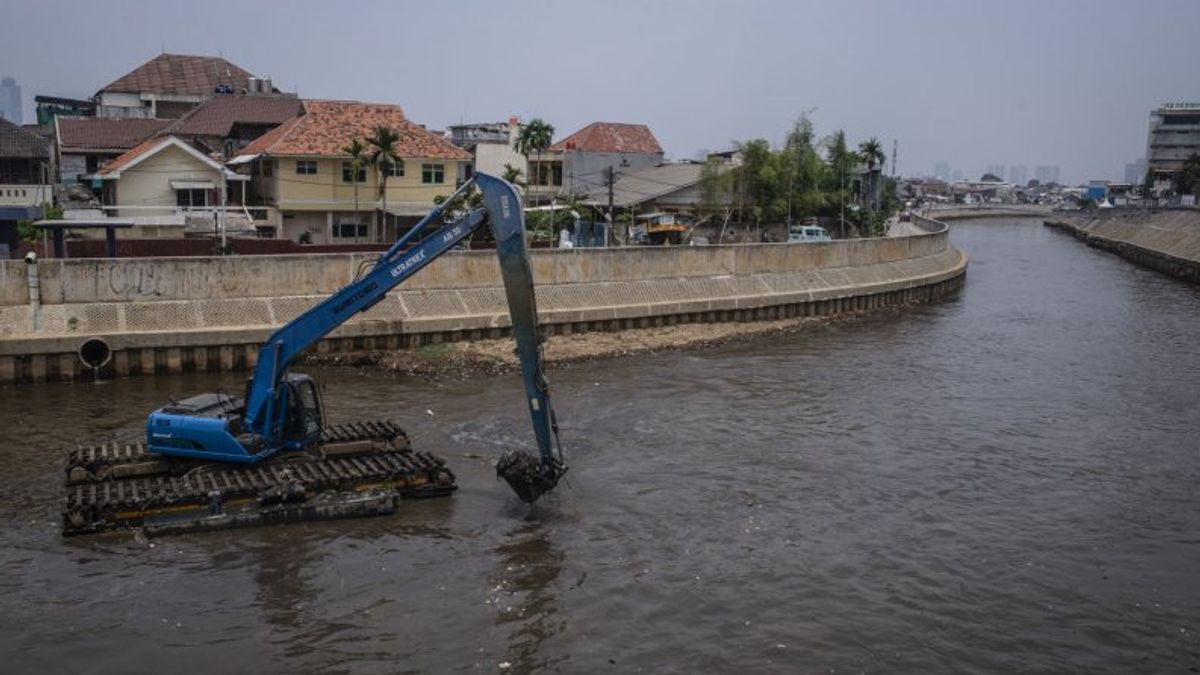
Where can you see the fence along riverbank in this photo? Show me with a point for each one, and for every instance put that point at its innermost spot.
(171, 315)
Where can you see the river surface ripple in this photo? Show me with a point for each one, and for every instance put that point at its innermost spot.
(1004, 482)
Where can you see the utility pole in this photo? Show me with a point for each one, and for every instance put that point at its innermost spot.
(843, 191)
(894, 144)
(221, 213)
(610, 180)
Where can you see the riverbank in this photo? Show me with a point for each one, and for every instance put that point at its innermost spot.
(1166, 240)
(462, 360)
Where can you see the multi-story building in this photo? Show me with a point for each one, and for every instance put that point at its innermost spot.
(10, 100)
(941, 170)
(301, 172)
(169, 85)
(1174, 136)
(491, 145)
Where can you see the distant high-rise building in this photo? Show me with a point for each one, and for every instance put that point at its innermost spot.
(10, 100)
(957, 175)
(942, 170)
(1046, 174)
(1135, 172)
(996, 170)
(1016, 174)
(1174, 136)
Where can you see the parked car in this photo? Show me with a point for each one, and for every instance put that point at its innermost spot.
(807, 233)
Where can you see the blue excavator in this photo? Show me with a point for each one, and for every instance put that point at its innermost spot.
(216, 460)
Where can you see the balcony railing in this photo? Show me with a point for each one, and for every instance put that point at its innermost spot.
(15, 194)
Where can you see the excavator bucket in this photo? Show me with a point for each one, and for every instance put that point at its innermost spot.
(527, 475)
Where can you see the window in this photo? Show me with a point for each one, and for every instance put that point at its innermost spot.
(396, 169)
(306, 167)
(433, 174)
(191, 198)
(268, 168)
(347, 174)
(350, 231)
(546, 173)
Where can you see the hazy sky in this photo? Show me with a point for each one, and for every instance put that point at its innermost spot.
(971, 83)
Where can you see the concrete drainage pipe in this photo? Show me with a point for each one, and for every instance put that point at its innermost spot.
(95, 353)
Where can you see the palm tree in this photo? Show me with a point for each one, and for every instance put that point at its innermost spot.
(535, 137)
(871, 152)
(358, 159)
(512, 174)
(383, 157)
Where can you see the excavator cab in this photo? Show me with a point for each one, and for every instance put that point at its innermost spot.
(305, 417)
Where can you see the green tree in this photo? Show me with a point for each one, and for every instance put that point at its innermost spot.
(1188, 176)
(714, 189)
(357, 150)
(512, 174)
(841, 162)
(757, 180)
(384, 148)
(805, 169)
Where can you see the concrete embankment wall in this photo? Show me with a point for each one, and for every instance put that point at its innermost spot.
(949, 213)
(169, 315)
(1164, 240)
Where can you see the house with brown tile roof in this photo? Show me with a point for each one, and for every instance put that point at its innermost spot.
(169, 85)
(228, 122)
(83, 144)
(578, 164)
(300, 171)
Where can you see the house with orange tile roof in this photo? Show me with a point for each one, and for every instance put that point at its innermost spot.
(577, 164)
(301, 174)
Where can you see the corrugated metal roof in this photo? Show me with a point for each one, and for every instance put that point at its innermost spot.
(643, 185)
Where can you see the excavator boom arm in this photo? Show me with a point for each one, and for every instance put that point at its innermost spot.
(502, 207)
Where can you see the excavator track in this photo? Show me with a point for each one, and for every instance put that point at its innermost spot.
(360, 469)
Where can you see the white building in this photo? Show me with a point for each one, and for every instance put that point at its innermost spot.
(491, 145)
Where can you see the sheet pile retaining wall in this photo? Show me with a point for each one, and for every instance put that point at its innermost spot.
(170, 315)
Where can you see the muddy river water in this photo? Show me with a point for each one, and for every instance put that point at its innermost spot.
(1009, 481)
